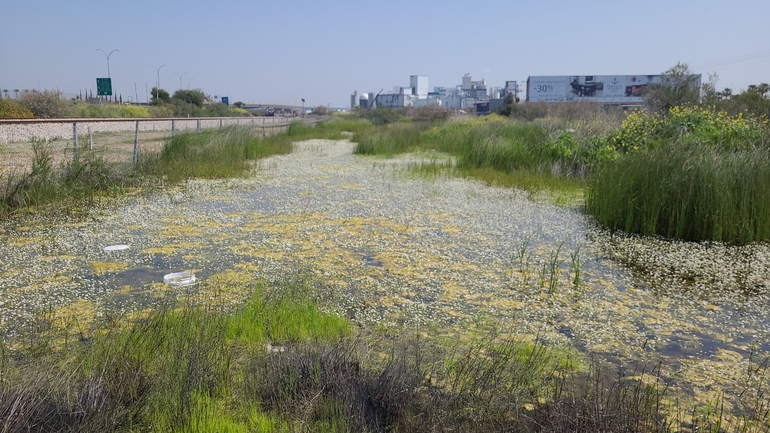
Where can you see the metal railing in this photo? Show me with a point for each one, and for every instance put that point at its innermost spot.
(117, 140)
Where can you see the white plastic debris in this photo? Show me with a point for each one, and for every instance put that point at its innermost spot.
(179, 278)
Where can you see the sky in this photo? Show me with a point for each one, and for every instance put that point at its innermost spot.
(283, 51)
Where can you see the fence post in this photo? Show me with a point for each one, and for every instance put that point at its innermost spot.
(263, 132)
(136, 141)
(75, 141)
(220, 123)
(199, 126)
(173, 130)
(90, 139)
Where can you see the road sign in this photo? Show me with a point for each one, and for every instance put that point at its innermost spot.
(104, 86)
(226, 100)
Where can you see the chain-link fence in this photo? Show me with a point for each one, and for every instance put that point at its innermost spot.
(118, 140)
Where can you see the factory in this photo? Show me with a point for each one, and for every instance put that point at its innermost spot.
(468, 94)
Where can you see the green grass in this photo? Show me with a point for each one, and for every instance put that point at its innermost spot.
(494, 151)
(686, 191)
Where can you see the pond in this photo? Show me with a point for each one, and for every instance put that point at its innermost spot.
(388, 247)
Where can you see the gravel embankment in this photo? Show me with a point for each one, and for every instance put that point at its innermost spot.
(62, 128)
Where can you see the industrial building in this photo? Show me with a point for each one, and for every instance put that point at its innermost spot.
(466, 95)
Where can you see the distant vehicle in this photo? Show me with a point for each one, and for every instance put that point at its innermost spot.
(270, 111)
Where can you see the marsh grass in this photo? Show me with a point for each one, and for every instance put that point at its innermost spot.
(494, 151)
(82, 179)
(686, 191)
(390, 139)
(188, 368)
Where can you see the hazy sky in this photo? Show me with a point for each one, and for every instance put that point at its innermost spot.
(322, 50)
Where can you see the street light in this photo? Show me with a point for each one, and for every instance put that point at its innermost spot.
(180, 78)
(303, 107)
(188, 82)
(157, 83)
(108, 59)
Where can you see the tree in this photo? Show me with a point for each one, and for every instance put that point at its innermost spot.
(759, 89)
(159, 96)
(320, 110)
(195, 97)
(678, 86)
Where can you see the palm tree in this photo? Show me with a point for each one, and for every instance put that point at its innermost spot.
(6, 92)
(16, 91)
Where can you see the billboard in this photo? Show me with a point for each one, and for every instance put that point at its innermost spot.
(608, 89)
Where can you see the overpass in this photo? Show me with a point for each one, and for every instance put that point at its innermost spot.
(279, 108)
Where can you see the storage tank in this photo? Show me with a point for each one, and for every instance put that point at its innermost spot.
(364, 101)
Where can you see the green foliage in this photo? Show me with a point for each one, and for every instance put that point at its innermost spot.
(83, 179)
(686, 191)
(45, 104)
(678, 87)
(751, 102)
(84, 110)
(211, 154)
(283, 317)
(642, 130)
(10, 109)
(219, 110)
(159, 96)
(377, 116)
(388, 139)
(194, 97)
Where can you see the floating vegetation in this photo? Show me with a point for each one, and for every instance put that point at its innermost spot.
(386, 249)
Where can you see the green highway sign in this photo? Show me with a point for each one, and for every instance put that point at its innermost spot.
(104, 86)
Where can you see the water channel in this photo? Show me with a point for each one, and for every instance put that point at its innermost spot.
(388, 247)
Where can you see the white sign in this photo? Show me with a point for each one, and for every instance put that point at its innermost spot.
(612, 89)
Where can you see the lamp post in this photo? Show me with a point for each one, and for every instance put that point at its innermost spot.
(180, 78)
(108, 61)
(157, 83)
(303, 107)
(188, 82)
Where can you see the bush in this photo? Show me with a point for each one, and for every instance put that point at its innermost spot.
(10, 109)
(427, 113)
(195, 97)
(45, 104)
(642, 130)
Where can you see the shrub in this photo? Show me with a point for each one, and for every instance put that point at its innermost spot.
(320, 110)
(641, 130)
(10, 109)
(195, 97)
(427, 113)
(45, 104)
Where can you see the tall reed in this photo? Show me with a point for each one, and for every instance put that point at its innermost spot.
(687, 191)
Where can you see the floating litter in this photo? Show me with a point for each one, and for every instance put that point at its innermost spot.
(116, 248)
(179, 278)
